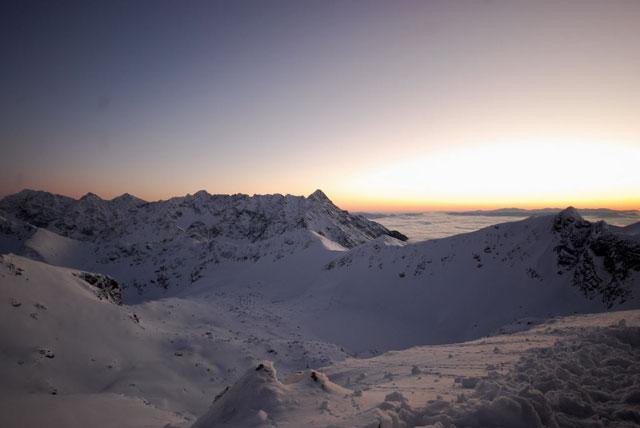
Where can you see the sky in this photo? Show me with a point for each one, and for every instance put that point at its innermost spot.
(388, 106)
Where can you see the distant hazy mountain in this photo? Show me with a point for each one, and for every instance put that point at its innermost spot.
(517, 212)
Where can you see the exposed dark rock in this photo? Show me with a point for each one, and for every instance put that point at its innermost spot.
(46, 352)
(601, 261)
(106, 287)
(397, 235)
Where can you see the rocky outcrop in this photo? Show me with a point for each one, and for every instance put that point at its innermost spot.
(105, 287)
(601, 262)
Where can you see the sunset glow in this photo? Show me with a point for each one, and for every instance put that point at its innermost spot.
(435, 109)
(529, 175)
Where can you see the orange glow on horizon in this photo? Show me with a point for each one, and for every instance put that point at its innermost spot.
(527, 175)
(398, 206)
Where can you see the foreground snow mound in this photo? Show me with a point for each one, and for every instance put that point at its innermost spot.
(588, 380)
(259, 399)
(567, 372)
(249, 401)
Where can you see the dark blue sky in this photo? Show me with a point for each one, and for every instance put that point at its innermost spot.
(115, 79)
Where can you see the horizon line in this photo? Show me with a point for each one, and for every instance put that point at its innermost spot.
(378, 207)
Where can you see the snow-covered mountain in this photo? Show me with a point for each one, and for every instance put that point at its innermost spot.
(200, 216)
(160, 306)
(151, 246)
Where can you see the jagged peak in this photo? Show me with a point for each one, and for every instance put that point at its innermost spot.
(269, 216)
(38, 195)
(30, 193)
(570, 213)
(126, 197)
(319, 196)
(201, 194)
(89, 196)
(567, 219)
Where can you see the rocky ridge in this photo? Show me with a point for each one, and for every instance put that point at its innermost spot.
(170, 243)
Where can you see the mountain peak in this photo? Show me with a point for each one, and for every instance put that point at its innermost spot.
(126, 198)
(29, 193)
(567, 219)
(319, 196)
(201, 194)
(570, 213)
(90, 197)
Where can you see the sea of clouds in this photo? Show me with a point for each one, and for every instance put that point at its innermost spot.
(430, 225)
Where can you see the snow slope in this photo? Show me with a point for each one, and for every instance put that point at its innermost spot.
(62, 336)
(386, 295)
(632, 229)
(344, 279)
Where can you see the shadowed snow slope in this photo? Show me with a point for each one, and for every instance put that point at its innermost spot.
(64, 335)
(458, 288)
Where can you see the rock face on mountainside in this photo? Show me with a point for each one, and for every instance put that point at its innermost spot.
(204, 216)
(600, 261)
(106, 287)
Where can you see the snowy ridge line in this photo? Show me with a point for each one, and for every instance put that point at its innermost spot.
(238, 216)
(158, 245)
